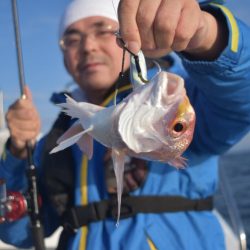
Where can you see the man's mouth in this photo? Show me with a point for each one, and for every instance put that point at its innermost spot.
(88, 67)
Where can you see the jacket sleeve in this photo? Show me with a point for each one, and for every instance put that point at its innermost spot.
(220, 91)
(13, 171)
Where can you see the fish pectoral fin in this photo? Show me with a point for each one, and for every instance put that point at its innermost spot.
(70, 140)
(85, 143)
(118, 162)
(73, 130)
(178, 162)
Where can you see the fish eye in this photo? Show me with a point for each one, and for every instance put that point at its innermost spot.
(178, 128)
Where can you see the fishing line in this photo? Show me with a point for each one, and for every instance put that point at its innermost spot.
(121, 75)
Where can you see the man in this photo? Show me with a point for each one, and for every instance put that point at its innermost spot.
(211, 46)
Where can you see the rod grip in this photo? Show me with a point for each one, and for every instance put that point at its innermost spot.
(38, 237)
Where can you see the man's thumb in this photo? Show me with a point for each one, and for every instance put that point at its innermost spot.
(27, 93)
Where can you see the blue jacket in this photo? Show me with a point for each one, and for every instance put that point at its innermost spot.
(220, 93)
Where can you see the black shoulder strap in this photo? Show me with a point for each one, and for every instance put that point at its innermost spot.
(58, 174)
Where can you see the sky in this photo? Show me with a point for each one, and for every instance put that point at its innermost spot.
(43, 66)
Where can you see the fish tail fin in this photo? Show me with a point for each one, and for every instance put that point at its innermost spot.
(81, 110)
(71, 107)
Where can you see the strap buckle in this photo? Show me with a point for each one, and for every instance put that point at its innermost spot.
(79, 216)
(127, 210)
(70, 221)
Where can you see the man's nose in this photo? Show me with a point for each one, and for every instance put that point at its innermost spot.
(88, 43)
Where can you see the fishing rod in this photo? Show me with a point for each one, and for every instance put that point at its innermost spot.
(36, 225)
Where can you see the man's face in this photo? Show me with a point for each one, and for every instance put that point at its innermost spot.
(91, 55)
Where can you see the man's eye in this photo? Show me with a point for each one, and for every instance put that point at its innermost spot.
(71, 41)
(103, 33)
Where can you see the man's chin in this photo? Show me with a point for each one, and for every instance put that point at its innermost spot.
(95, 84)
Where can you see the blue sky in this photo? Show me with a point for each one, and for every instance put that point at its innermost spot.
(43, 66)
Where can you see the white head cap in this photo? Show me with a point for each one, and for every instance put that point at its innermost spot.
(79, 9)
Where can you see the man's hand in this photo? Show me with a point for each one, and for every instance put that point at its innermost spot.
(160, 26)
(24, 124)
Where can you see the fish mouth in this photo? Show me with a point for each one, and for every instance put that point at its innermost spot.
(169, 89)
(175, 85)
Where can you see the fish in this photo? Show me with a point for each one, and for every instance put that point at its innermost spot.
(154, 122)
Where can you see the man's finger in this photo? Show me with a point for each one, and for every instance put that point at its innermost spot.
(27, 93)
(145, 20)
(127, 11)
(166, 21)
(186, 30)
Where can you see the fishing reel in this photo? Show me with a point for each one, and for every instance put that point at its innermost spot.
(13, 205)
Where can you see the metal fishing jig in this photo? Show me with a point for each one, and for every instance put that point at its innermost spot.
(136, 58)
